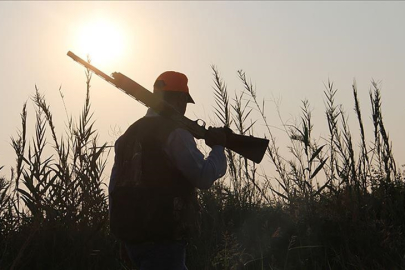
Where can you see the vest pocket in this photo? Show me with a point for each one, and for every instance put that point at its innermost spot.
(141, 215)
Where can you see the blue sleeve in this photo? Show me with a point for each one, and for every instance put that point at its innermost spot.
(200, 171)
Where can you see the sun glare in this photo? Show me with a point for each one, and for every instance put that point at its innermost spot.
(101, 40)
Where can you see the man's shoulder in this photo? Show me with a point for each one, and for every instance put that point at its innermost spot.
(150, 121)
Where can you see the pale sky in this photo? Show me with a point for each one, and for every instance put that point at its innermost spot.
(288, 49)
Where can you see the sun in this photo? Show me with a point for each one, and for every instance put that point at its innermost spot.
(101, 40)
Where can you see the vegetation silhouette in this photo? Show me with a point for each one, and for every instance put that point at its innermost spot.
(329, 206)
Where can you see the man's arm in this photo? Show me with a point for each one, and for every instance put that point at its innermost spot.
(201, 172)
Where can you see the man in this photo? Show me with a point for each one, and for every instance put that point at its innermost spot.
(157, 168)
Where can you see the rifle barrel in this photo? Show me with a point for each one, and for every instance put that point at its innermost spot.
(91, 67)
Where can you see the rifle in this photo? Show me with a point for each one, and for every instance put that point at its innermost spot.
(249, 147)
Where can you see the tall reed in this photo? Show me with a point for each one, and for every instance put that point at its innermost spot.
(58, 211)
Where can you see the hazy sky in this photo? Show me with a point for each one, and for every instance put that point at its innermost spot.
(288, 49)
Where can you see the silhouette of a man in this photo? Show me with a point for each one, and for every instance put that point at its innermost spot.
(153, 200)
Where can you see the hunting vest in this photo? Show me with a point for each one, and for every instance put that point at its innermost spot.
(151, 199)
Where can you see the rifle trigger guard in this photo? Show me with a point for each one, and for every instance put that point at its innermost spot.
(200, 122)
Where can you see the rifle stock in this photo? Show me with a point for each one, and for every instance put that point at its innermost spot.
(249, 147)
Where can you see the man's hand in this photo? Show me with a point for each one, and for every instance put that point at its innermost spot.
(216, 136)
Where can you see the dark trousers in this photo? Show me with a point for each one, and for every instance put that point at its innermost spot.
(158, 256)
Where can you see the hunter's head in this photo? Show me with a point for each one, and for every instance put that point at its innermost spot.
(172, 87)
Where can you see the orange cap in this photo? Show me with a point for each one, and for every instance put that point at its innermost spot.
(172, 81)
